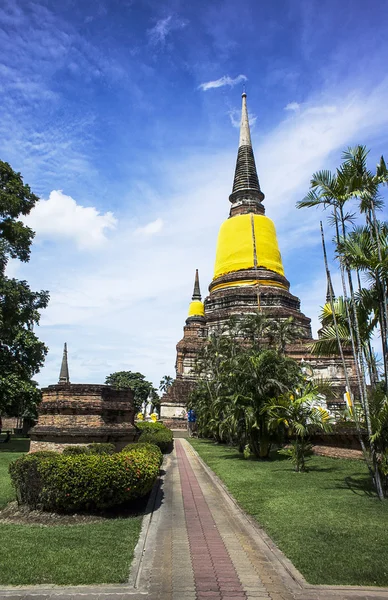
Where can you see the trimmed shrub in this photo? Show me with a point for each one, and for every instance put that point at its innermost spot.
(162, 438)
(83, 482)
(144, 447)
(75, 450)
(26, 477)
(151, 426)
(96, 448)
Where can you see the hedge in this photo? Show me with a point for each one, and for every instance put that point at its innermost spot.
(162, 438)
(145, 447)
(151, 426)
(83, 482)
(95, 448)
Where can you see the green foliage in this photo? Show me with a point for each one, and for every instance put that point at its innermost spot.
(75, 450)
(101, 448)
(141, 388)
(27, 478)
(151, 426)
(237, 374)
(163, 438)
(299, 416)
(69, 483)
(362, 254)
(165, 383)
(21, 352)
(94, 448)
(147, 447)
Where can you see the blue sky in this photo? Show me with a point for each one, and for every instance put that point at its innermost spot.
(122, 117)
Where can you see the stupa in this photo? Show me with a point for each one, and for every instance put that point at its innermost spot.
(248, 276)
(82, 413)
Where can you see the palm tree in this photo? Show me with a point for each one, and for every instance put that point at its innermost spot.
(352, 180)
(283, 332)
(165, 383)
(297, 413)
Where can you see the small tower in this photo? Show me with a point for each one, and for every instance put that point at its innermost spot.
(173, 403)
(196, 308)
(64, 373)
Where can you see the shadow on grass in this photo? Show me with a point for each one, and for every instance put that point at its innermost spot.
(15, 444)
(361, 485)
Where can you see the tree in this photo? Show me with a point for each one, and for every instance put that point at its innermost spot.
(21, 352)
(237, 374)
(282, 332)
(165, 383)
(363, 249)
(296, 412)
(135, 381)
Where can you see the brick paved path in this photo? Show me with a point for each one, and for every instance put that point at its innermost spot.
(196, 544)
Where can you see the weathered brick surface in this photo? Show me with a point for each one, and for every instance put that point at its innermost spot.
(82, 413)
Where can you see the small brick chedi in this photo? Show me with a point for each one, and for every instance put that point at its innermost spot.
(82, 413)
(248, 276)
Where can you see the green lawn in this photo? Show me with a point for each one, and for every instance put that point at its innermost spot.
(327, 521)
(9, 452)
(62, 554)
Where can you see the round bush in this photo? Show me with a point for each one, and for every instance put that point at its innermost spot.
(83, 482)
(145, 447)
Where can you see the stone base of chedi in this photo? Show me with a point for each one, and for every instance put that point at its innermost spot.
(82, 414)
(73, 414)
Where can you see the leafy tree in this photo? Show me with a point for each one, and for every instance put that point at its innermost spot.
(21, 352)
(135, 381)
(165, 383)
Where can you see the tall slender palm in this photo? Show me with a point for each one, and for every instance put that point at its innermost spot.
(353, 180)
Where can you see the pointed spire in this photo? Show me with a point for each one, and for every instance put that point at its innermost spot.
(64, 374)
(246, 182)
(197, 291)
(245, 132)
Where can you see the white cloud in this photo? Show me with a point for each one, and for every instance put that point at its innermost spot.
(322, 110)
(235, 118)
(225, 80)
(61, 217)
(151, 228)
(292, 106)
(157, 34)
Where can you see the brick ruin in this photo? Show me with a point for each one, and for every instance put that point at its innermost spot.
(248, 277)
(79, 414)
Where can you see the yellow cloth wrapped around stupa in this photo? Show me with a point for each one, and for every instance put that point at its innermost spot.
(237, 239)
(196, 309)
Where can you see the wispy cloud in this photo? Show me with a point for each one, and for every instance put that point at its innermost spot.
(294, 106)
(60, 217)
(235, 118)
(225, 80)
(157, 35)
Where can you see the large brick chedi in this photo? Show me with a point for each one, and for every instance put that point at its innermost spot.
(248, 277)
(81, 414)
